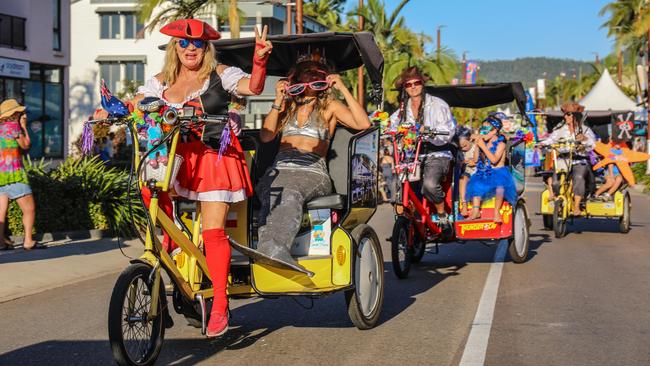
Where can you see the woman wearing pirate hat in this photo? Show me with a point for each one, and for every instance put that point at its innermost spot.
(574, 130)
(421, 109)
(192, 77)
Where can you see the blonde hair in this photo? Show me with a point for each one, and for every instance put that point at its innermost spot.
(172, 64)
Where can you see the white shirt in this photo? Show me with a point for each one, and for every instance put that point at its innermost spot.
(436, 116)
(564, 133)
(229, 79)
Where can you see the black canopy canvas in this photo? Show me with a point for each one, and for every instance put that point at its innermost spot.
(480, 95)
(343, 51)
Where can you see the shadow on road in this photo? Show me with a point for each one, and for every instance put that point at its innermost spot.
(59, 251)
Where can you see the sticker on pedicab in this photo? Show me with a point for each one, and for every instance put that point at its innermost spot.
(363, 185)
(314, 235)
(506, 213)
(477, 226)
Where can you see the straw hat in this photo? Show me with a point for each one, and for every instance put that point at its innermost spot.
(572, 107)
(9, 107)
(410, 73)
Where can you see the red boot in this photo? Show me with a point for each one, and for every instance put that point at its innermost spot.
(217, 253)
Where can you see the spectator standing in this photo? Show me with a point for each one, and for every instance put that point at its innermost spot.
(14, 184)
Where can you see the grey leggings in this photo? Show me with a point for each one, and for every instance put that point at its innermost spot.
(581, 177)
(434, 172)
(294, 178)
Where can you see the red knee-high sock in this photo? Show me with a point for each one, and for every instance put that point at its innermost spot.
(217, 253)
(165, 203)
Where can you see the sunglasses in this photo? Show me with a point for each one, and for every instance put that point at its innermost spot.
(184, 43)
(413, 83)
(568, 114)
(300, 88)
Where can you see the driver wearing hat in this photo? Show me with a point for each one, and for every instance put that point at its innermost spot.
(419, 108)
(574, 130)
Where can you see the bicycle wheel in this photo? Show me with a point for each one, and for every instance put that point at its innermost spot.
(419, 246)
(401, 250)
(365, 301)
(135, 338)
(559, 222)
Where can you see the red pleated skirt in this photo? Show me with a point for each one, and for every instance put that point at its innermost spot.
(204, 176)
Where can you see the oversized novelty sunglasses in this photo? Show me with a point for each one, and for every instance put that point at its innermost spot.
(184, 42)
(300, 88)
(413, 83)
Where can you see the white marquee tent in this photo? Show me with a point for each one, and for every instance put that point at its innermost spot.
(606, 95)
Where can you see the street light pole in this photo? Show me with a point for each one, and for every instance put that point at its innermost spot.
(298, 16)
(289, 16)
(438, 43)
(361, 86)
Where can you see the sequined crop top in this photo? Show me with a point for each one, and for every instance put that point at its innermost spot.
(312, 128)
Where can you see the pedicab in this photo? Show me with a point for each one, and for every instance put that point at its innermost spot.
(557, 211)
(414, 227)
(338, 249)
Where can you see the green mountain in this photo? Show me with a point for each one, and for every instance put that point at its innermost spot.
(529, 69)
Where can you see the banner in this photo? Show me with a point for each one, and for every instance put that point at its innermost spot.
(471, 72)
(14, 68)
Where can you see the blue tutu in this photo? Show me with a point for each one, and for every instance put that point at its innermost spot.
(484, 184)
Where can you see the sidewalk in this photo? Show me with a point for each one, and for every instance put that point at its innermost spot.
(63, 263)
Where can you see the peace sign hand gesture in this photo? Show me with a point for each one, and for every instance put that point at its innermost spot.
(260, 40)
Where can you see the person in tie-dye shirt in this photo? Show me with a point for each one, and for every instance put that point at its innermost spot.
(14, 184)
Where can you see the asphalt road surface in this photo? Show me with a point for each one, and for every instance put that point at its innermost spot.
(580, 300)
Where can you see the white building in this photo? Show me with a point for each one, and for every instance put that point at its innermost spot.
(106, 45)
(34, 60)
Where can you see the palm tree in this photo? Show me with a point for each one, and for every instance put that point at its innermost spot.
(170, 10)
(400, 46)
(326, 12)
(627, 23)
(233, 19)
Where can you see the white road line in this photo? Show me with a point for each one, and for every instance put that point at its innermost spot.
(477, 342)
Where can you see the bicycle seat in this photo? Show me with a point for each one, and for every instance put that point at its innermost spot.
(331, 201)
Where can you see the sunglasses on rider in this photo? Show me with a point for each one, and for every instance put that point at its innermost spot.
(413, 83)
(300, 88)
(568, 114)
(184, 43)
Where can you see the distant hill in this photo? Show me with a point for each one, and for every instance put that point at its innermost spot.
(529, 69)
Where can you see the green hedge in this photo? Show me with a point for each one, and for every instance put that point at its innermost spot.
(640, 176)
(79, 194)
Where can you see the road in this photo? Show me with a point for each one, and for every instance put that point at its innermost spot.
(580, 300)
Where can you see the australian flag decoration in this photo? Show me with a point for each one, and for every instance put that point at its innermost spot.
(110, 103)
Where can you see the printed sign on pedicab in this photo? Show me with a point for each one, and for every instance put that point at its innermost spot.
(485, 228)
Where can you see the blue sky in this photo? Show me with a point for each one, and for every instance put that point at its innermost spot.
(508, 29)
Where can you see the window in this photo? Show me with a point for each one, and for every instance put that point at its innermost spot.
(247, 26)
(56, 28)
(121, 75)
(42, 94)
(119, 25)
(110, 72)
(12, 31)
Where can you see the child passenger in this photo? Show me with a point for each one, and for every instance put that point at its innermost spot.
(613, 180)
(492, 177)
(467, 148)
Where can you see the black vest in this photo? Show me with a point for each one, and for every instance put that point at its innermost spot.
(215, 100)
